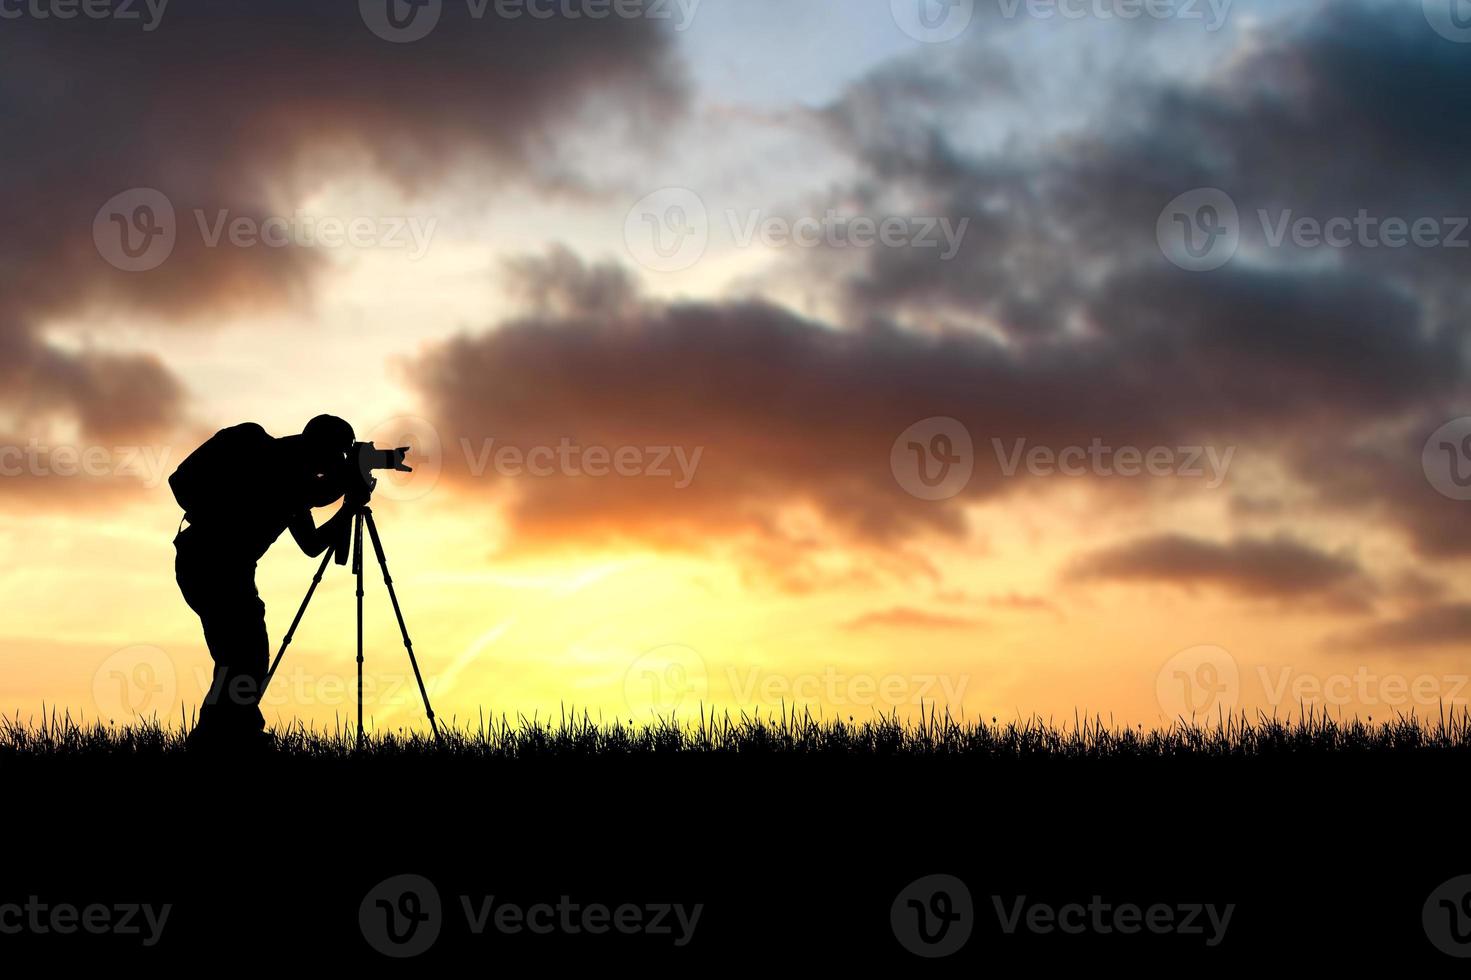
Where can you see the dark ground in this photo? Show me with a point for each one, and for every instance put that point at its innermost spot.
(796, 861)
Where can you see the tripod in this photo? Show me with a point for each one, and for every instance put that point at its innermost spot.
(364, 516)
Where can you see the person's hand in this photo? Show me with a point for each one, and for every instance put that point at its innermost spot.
(355, 498)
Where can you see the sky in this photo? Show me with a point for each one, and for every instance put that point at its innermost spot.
(1079, 358)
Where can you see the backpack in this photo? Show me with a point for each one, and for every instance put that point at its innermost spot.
(213, 479)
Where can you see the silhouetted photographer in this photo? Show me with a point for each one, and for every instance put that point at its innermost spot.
(239, 491)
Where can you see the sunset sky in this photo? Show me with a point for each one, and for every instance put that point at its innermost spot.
(845, 353)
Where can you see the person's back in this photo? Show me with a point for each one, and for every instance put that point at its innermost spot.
(242, 488)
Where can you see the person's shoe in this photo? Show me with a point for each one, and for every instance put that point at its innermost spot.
(202, 739)
(211, 740)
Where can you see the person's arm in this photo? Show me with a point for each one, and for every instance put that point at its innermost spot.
(314, 540)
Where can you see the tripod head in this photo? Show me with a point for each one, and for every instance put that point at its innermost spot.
(348, 537)
(358, 483)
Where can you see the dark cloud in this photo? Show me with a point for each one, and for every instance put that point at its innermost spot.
(111, 396)
(785, 414)
(794, 416)
(1342, 361)
(1097, 335)
(1276, 568)
(1418, 587)
(1320, 115)
(1247, 349)
(1380, 474)
(1441, 625)
(242, 106)
(559, 284)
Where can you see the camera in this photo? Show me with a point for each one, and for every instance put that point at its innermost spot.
(357, 480)
(364, 458)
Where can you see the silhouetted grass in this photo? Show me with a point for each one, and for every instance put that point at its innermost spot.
(785, 734)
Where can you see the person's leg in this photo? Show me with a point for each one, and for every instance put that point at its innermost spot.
(192, 573)
(234, 623)
(236, 634)
(251, 659)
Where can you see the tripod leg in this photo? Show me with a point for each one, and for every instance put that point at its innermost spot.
(397, 612)
(357, 565)
(286, 640)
